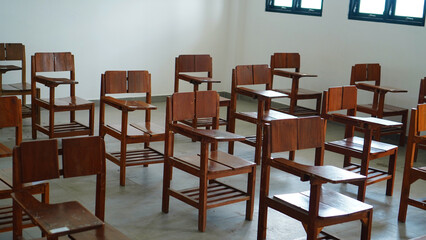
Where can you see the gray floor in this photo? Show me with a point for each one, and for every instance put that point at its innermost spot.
(136, 208)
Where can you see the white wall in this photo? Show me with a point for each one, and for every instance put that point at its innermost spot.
(149, 34)
(114, 35)
(331, 44)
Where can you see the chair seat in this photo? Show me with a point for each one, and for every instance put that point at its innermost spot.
(332, 204)
(218, 162)
(70, 102)
(5, 151)
(105, 232)
(302, 93)
(357, 144)
(135, 130)
(268, 116)
(387, 109)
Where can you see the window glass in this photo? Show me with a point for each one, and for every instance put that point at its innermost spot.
(409, 8)
(372, 6)
(283, 3)
(312, 4)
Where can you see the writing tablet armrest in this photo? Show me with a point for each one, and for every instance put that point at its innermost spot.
(364, 122)
(381, 89)
(260, 94)
(288, 74)
(197, 80)
(329, 174)
(129, 105)
(209, 135)
(53, 82)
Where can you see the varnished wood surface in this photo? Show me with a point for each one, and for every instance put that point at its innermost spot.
(211, 135)
(197, 80)
(129, 105)
(366, 86)
(332, 204)
(264, 94)
(6, 68)
(289, 74)
(357, 144)
(105, 232)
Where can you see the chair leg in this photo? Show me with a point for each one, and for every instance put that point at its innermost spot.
(51, 122)
(403, 129)
(318, 107)
(366, 226)
(346, 161)
(166, 185)
(123, 153)
(92, 120)
(202, 205)
(258, 148)
(250, 190)
(17, 222)
(312, 231)
(291, 155)
(391, 171)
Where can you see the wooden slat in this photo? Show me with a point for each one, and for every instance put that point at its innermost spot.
(244, 75)
(203, 63)
(15, 51)
(206, 104)
(139, 81)
(183, 99)
(44, 62)
(64, 61)
(115, 82)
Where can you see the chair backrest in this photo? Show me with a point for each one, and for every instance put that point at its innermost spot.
(295, 134)
(126, 82)
(190, 105)
(251, 75)
(12, 51)
(422, 92)
(340, 98)
(38, 160)
(366, 72)
(11, 116)
(53, 62)
(286, 60)
(194, 63)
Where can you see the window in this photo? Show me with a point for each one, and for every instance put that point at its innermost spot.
(307, 7)
(410, 12)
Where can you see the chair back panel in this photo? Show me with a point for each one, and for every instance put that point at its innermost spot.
(341, 98)
(139, 82)
(422, 93)
(206, 103)
(285, 60)
(10, 109)
(421, 121)
(38, 160)
(115, 82)
(54, 62)
(252, 74)
(194, 63)
(366, 72)
(183, 106)
(83, 156)
(297, 133)
(12, 51)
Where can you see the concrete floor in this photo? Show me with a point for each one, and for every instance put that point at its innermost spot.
(136, 208)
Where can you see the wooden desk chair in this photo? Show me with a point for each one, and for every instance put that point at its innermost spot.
(57, 62)
(208, 166)
(120, 82)
(292, 60)
(422, 99)
(366, 149)
(15, 52)
(251, 75)
(10, 109)
(362, 73)
(199, 64)
(411, 173)
(38, 161)
(318, 207)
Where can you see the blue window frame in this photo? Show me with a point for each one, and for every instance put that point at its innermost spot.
(306, 7)
(411, 12)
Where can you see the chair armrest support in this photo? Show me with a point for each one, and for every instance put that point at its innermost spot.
(324, 174)
(260, 94)
(288, 74)
(53, 82)
(206, 135)
(197, 80)
(128, 105)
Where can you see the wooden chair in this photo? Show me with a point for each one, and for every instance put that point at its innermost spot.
(15, 52)
(10, 109)
(250, 75)
(318, 207)
(201, 63)
(422, 99)
(37, 161)
(208, 166)
(57, 62)
(292, 60)
(412, 173)
(362, 73)
(119, 82)
(366, 149)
